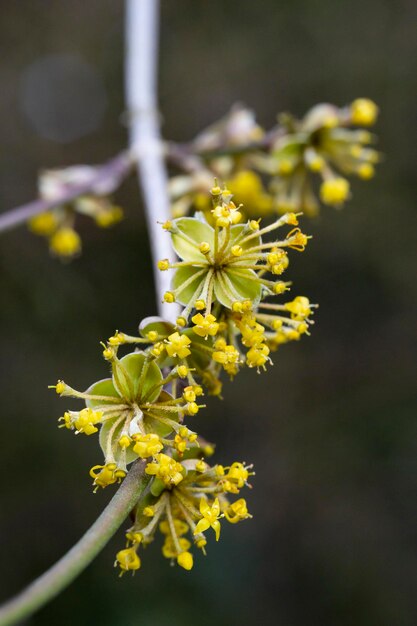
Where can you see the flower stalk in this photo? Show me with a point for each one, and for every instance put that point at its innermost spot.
(60, 575)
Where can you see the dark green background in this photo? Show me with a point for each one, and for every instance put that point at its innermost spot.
(331, 428)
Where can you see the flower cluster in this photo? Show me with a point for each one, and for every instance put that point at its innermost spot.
(229, 269)
(57, 225)
(268, 172)
(226, 272)
(273, 172)
(140, 413)
(187, 498)
(323, 144)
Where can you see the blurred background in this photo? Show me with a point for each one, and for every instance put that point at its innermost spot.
(331, 428)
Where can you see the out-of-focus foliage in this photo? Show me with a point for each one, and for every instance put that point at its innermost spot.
(335, 543)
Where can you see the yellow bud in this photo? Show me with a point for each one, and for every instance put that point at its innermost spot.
(149, 511)
(185, 560)
(277, 269)
(334, 191)
(292, 219)
(280, 288)
(192, 408)
(254, 225)
(200, 305)
(220, 344)
(163, 265)
(365, 136)
(60, 387)
(364, 112)
(208, 450)
(116, 339)
(152, 335)
(108, 353)
(285, 167)
(124, 441)
(215, 191)
(181, 322)
(201, 466)
(236, 250)
(222, 222)
(65, 242)
(366, 171)
(235, 217)
(134, 537)
(189, 395)
(204, 247)
(316, 164)
(330, 121)
(43, 223)
(356, 151)
(182, 370)
(108, 217)
(169, 297)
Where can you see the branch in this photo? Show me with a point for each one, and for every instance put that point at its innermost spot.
(147, 148)
(145, 138)
(117, 169)
(60, 575)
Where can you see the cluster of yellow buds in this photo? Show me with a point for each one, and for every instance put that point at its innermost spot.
(272, 171)
(187, 498)
(324, 144)
(58, 224)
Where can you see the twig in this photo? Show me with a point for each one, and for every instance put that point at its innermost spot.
(60, 575)
(117, 168)
(145, 139)
(147, 148)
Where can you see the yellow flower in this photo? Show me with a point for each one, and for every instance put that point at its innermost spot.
(127, 560)
(205, 325)
(108, 474)
(147, 445)
(170, 550)
(257, 356)
(238, 474)
(210, 515)
(177, 345)
(237, 511)
(165, 468)
(86, 420)
(299, 308)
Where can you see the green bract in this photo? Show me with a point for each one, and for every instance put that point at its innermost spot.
(217, 275)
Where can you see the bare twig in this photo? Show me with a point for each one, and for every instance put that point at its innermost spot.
(117, 169)
(145, 139)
